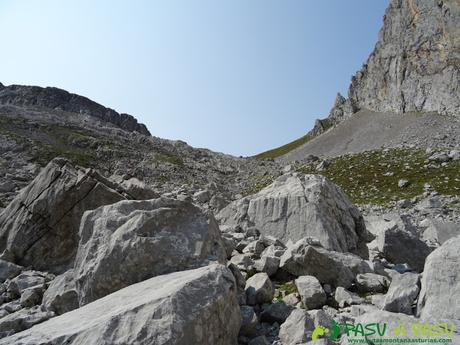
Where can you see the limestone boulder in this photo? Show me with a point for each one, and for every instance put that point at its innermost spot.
(440, 284)
(259, 289)
(130, 241)
(191, 307)
(402, 293)
(297, 206)
(39, 228)
(297, 328)
(311, 292)
(306, 257)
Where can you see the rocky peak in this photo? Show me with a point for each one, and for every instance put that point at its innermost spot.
(339, 100)
(54, 98)
(415, 64)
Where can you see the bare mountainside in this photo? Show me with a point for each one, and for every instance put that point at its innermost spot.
(414, 68)
(111, 236)
(39, 124)
(368, 130)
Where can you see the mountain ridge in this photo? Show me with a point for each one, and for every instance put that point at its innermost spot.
(55, 98)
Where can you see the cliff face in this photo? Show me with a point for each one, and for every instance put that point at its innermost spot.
(415, 64)
(54, 98)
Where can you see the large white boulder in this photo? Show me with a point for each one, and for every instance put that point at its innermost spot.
(440, 285)
(297, 206)
(190, 307)
(130, 241)
(334, 268)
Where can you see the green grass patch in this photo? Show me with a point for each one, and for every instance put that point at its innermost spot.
(372, 176)
(288, 288)
(257, 184)
(62, 144)
(170, 158)
(282, 150)
(45, 153)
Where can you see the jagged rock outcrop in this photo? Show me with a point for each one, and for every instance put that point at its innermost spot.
(341, 110)
(329, 267)
(54, 98)
(415, 65)
(402, 293)
(190, 307)
(40, 226)
(130, 241)
(440, 289)
(399, 246)
(61, 295)
(297, 206)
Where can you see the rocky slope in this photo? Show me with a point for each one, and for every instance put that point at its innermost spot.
(38, 124)
(368, 130)
(111, 236)
(276, 264)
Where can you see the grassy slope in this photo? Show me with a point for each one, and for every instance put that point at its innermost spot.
(282, 150)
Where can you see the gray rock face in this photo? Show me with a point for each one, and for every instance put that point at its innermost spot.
(8, 270)
(297, 206)
(22, 320)
(297, 328)
(61, 296)
(249, 321)
(267, 264)
(311, 292)
(131, 241)
(259, 289)
(402, 293)
(440, 291)
(399, 246)
(345, 298)
(190, 307)
(240, 283)
(334, 268)
(275, 312)
(415, 64)
(40, 226)
(371, 282)
(58, 99)
(27, 280)
(438, 231)
(31, 296)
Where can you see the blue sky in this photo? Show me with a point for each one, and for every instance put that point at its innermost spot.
(235, 76)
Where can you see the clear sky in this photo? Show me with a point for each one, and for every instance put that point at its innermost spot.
(236, 76)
